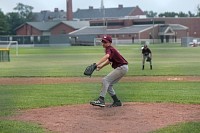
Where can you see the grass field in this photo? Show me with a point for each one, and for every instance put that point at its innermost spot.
(71, 61)
(168, 59)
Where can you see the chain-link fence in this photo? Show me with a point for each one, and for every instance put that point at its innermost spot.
(38, 40)
(190, 42)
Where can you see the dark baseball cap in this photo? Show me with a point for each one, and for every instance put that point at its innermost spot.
(107, 39)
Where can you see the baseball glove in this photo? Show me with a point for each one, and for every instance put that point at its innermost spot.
(90, 69)
(148, 59)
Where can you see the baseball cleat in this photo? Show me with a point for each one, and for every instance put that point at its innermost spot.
(98, 102)
(116, 104)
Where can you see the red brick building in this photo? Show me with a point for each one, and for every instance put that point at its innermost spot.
(50, 28)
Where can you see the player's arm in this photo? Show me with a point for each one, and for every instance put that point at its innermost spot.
(103, 59)
(103, 62)
(103, 65)
(143, 51)
(150, 53)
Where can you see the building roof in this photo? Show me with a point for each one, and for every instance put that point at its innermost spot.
(43, 26)
(91, 30)
(46, 26)
(103, 13)
(132, 29)
(169, 29)
(178, 27)
(76, 24)
(48, 15)
(86, 14)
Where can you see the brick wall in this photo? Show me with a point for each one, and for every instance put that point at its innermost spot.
(61, 29)
(192, 23)
(28, 30)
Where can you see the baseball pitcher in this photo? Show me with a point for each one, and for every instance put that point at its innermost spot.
(120, 68)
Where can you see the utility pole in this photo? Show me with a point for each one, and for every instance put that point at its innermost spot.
(103, 11)
(153, 29)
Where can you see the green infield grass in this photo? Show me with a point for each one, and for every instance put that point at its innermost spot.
(8, 126)
(189, 127)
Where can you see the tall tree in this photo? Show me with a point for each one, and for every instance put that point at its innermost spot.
(168, 14)
(191, 14)
(24, 11)
(182, 14)
(3, 24)
(150, 13)
(198, 10)
(14, 20)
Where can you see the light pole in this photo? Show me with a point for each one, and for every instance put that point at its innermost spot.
(104, 13)
(153, 29)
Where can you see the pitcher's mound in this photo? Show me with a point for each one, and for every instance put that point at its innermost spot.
(130, 118)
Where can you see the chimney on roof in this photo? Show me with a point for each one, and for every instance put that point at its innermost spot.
(69, 10)
(90, 7)
(120, 6)
(55, 9)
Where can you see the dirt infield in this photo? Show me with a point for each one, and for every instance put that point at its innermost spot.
(130, 118)
(58, 80)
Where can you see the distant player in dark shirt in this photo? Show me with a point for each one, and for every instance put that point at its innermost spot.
(147, 55)
(120, 68)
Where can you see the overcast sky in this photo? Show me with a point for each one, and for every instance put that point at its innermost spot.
(159, 6)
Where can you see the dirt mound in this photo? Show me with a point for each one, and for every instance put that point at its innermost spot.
(130, 118)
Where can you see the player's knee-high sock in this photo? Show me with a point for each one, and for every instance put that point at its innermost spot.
(115, 99)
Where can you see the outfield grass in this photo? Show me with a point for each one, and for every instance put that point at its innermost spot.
(168, 59)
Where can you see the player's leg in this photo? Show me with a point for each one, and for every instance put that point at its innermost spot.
(116, 101)
(115, 76)
(107, 85)
(150, 62)
(143, 61)
(112, 78)
(151, 65)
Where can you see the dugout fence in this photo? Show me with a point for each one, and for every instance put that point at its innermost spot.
(5, 50)
(4, 55)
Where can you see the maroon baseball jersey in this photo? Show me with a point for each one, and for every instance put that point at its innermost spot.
(115, 58)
